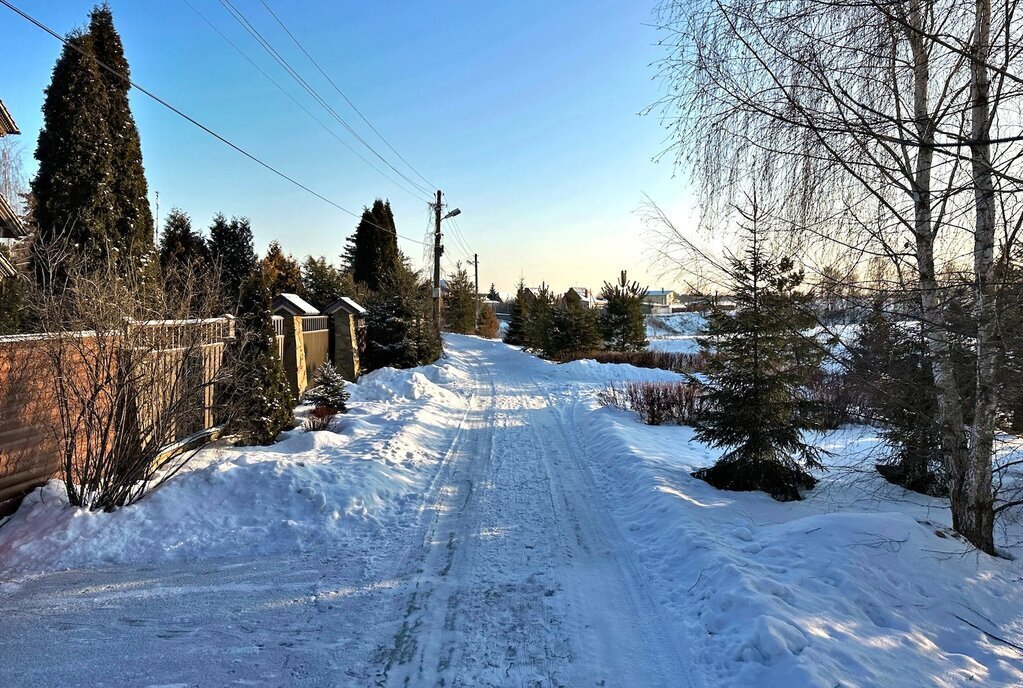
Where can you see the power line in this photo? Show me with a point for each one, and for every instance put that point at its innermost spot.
(240, 17)
(295, 100)
(191, 120)
(459, 237)
(255, 33)
(341, 93)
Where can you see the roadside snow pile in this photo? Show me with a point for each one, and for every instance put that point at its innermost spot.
(307, 489)
(862, 584)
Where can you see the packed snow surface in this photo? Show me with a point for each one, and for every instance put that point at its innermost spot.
(484, 522)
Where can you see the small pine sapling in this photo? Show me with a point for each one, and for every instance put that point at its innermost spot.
(329, 395)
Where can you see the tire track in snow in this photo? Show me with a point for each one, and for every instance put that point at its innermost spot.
(524, 578)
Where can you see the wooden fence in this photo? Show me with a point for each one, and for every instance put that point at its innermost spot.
(316, 336)
(29, 421)
(30, 427)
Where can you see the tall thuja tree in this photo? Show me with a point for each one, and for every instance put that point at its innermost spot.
(180, 245)
(132, 215)
(372, 253)
(261, 402)
(759, 364)
(73, 197)
(622, 323)
(283, 271)
(516, 332)
(232, 253)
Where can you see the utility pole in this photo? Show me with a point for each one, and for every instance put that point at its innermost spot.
(476, 264)
(438, 249)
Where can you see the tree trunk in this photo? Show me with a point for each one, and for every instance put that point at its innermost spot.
(953, 435)
(972, 497)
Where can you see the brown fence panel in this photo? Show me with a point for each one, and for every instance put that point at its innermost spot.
(29, 420)
(317, 344)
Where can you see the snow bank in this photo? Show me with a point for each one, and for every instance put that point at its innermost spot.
(306, 490)
(674, 324)
(859, 585)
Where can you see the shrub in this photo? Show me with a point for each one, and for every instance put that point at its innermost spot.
(318, 419)
(675, 361)
(657, 403)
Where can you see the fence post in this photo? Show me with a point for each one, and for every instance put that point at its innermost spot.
(294, 355)
(344, 349)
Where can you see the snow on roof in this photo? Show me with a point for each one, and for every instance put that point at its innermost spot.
(293, 304)
(7, 124)
(659, 292)
(6, 269)
(345, 304)
(11, 226)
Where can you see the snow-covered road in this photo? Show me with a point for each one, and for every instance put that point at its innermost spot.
(522, 578)
(506, 569)
(483, 521)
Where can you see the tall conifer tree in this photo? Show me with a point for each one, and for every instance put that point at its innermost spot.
(232, 252)
(180, 245)
(621, 322)
(516, 332)
(72, 189)
(283, 271)
(132, 215)
(261, 400)
(372, 253)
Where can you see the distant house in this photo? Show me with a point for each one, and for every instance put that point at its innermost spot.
(659, 301)
(12, 229)
(581, 296)
(292, 304)
(702, 303)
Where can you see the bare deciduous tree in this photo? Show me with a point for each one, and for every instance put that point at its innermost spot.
(887, 129)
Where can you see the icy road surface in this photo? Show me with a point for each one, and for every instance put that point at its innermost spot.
(505, 569)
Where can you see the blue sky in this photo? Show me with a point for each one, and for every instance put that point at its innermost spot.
(525, 113)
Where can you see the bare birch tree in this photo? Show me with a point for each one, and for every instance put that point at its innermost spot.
(887, 129)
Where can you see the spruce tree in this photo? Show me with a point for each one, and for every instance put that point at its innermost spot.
(460, 303)
(261, 400)
(399, 323)
(622, 324)
(282, 270)
(180, 245)
(372, 253)
(232, 253)
(515, 335)
(328, 394)
(890, 370)
(72, 190)
(492, 295)
(323, 284)
(132, 215)
(759, 363)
